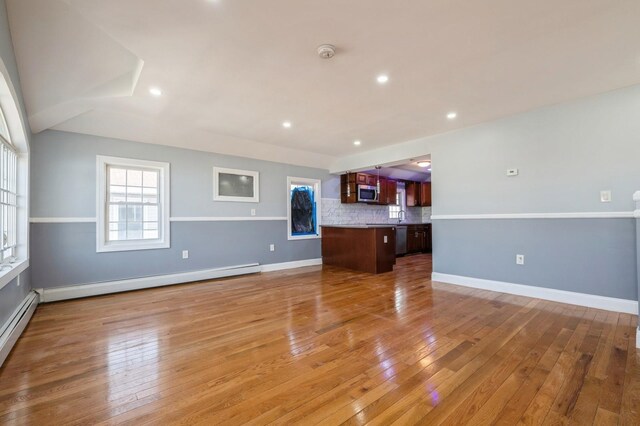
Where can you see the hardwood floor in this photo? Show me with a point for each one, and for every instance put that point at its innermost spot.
(314, 346)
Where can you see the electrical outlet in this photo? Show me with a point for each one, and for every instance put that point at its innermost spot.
(605, 196)
(385, 239)
(185, 254)
(512, 172)
(272, 247)
(253, 212)
(519, 259)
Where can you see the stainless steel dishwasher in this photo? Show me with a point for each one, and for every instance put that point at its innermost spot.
(401, 240)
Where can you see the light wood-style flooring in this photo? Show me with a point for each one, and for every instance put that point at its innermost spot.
(322, 346)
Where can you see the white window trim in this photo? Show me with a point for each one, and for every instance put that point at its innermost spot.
(103, 245)
(256, 185)
(317, 184)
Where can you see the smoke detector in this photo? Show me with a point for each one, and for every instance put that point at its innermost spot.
(326, 51)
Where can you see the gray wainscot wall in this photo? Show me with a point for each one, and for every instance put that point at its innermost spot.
(64, 186)
(551, 212)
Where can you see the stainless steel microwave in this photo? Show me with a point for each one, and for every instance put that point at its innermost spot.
(367, 194)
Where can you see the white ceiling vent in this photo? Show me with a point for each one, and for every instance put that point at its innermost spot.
(326, 51)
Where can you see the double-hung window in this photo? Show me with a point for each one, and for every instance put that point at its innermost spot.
(8, 194)
(133, 204)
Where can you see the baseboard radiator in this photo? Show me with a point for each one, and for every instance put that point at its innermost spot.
(15, 325)
(101, 288)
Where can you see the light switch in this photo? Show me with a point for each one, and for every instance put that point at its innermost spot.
(385, 239)
(512, 172)
(253, 212)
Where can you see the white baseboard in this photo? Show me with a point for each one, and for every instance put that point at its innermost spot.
(96, 289)
(86, 290)
(569, 297)
(15, 325)
(291, 265)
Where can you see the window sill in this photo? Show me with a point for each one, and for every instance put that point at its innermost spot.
(11, 270)
(107, 248)
(304, 237)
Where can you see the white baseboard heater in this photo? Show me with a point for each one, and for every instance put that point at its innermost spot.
(97, 289)
(16, 324)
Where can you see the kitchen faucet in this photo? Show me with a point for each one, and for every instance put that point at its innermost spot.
(402, 215)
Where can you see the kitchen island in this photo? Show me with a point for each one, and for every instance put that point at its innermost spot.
(365, 248)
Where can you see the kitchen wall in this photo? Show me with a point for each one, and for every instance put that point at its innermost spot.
(64, 189)
(566, 154)
(334, 212)
(12, 294)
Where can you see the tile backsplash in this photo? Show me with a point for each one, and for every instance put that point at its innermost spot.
(335, 213)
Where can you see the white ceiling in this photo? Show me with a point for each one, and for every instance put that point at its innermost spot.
(233, 70)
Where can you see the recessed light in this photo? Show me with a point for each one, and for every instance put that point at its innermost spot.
(286, 124)
(424, 163)
(357, 143)
(452, 115)
(155, 91)
(382, 78)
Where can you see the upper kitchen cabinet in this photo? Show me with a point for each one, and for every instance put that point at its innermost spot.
(350, 182)
(413, 193)
(425, 194)
(418, 194)
(348, 190)
(383, 195)
(392, 189)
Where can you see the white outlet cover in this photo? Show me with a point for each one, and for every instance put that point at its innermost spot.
(272, 247)
(185, 254)
(512, 172)
(253, 212)
(519, 259)
(605, 196)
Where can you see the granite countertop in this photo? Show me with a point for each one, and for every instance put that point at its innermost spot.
(374, 225)
(362, 226)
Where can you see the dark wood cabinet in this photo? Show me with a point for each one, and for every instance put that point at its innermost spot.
(392, 189)
(348, 188)
(425, 194)
(383, 195)
(419, 238)
(413, 193)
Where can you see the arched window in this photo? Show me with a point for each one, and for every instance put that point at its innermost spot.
(8, 194)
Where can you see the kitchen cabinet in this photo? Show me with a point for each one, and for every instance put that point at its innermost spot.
(419, 238)
(413, 193)
(392, 189)
(383, 195)
(348, 190)
(425, 194)
(366, 179)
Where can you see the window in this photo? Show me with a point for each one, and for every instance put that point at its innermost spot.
(401, 206)
(303, 205)
(8, 194)
(133, 204)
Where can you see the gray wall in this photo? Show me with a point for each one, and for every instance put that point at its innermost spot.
(64, 185)
(566, 155)
(594, 256)
(11, 295)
